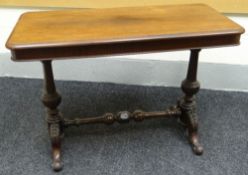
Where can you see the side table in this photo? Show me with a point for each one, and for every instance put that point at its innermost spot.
(66, 34)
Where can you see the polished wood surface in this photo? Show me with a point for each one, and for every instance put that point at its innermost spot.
(48, 34)
(37, 29)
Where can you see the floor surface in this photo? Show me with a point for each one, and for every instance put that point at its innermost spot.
(153, 147)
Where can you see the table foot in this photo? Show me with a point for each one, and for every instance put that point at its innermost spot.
(196, 146)
(56, 165)
(56, 147)
(189, 119)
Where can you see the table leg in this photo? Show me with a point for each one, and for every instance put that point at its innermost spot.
(51, 99)
(190, 86)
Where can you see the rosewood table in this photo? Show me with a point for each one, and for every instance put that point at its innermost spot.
(66, 34)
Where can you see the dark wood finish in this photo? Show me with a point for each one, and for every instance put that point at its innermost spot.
(156, 45)
(51, 99)
(74, 33)
(64, 34)
(124, 117)
(190, 87)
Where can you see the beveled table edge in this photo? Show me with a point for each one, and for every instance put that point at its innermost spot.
(127, 47)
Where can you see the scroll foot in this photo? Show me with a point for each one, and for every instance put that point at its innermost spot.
(196, 146)
(56, 165)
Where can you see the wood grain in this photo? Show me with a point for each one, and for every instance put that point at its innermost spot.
(172, 27)
(37, 29)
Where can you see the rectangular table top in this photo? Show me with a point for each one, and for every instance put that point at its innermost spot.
(92, 32)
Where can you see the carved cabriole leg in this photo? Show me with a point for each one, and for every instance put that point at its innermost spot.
(51, 99)
(190, 86)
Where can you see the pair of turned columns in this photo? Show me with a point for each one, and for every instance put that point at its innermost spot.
(185, 110)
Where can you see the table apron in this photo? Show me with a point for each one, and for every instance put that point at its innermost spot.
(118, 48)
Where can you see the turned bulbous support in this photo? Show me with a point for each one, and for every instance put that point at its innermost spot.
(51, 100)
(190, 86)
